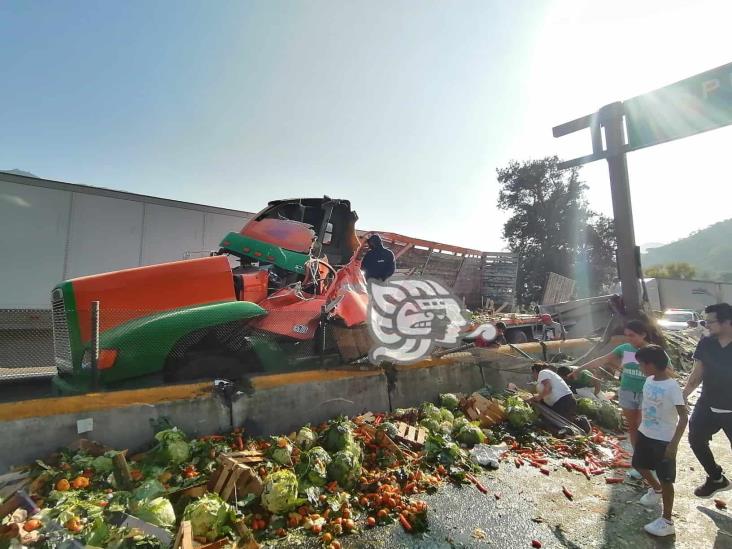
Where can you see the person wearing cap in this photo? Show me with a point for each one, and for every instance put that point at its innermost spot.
(550, 325)
(378, 263)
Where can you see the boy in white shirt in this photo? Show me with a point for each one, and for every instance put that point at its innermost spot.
(663, 420)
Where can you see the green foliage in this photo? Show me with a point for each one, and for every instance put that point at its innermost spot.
(552, 228)
(671, 270)
(708, 250)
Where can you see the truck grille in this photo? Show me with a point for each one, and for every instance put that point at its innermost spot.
(61, 342)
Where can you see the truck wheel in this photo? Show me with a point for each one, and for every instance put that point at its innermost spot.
(217, 352)
(517, 336)
(204, 365)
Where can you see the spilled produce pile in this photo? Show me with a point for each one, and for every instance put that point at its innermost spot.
(322, 482)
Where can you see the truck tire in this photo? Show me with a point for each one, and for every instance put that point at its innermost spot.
(517, 336)
(219, 352)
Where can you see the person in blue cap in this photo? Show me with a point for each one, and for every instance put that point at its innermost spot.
(378, 263)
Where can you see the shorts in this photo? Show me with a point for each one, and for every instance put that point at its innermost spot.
(650, 454)
(630, 400)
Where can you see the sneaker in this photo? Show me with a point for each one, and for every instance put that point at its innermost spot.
(650, 498)
(660, 527)
(711, 487)
(635, 475)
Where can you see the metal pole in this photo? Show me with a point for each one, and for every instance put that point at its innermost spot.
(612, 118)
(95, 344)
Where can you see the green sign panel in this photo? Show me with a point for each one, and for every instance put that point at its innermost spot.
(697, 104)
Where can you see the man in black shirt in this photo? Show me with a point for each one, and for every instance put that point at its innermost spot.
(713, 411)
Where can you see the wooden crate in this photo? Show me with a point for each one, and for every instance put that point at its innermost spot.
(353, 343)
(235, 477)
(184, 539)
(487, 411)
(408, 434)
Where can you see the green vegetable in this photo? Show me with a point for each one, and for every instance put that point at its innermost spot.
(158, 512)
(148, 490)
(345, 468)
(470, 434)
(313, 467)
(609, 416)
(305, 438)
(210, 516)
(432, 425)
(446, 427)
(587, 407)
(172, 447)
(440, 449)
(102, 464)
(389, 428)
(338, 435)
(280, 492)
(449, 401)
(283, 456)
(446, 415)
(458, 424)
(430, 411)
(520, 415)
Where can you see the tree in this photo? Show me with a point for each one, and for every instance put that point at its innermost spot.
(679, 269)
(552, 228)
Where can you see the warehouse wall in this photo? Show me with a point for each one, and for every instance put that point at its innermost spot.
(52, 231)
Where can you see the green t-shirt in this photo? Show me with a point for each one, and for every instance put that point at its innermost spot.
(633, 378)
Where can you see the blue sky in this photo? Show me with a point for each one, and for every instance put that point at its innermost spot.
(405, 108)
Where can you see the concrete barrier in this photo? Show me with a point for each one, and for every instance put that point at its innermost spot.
(31, 438)
(282, 404)
(417, 383)
(276, 403)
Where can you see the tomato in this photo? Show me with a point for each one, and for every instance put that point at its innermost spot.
(327, 538)
(382, 514)
(63, 485)
(335, 545)
(32, 524)
(346, 514)
(371, 521)
(348, 524)
(317, 528)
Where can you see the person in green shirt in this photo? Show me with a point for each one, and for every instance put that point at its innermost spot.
(632, 379)
(584, 380)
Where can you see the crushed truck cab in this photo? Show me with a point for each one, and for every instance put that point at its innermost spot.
(296, 288)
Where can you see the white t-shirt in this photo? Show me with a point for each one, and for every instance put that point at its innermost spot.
(559, 386)
(660, 399)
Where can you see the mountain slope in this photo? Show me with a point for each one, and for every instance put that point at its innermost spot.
(708, 250)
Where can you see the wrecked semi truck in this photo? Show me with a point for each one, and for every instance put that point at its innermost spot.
(296, 269)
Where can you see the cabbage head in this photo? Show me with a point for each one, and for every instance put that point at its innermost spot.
(210, 516)
(440, 449)
(388, 428)
(432, 425)
(158, 512)
(345, 468)
(150, 489)
(459, 423)
(305, 438)
(520, 414)
(609, 416)
(430, 411)
(449, 401)
(471, 435)
(280, 492)
(446, 415)
(312, 468)
(338, 435)
(172, 447)
(587, 407)
(102, 464)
